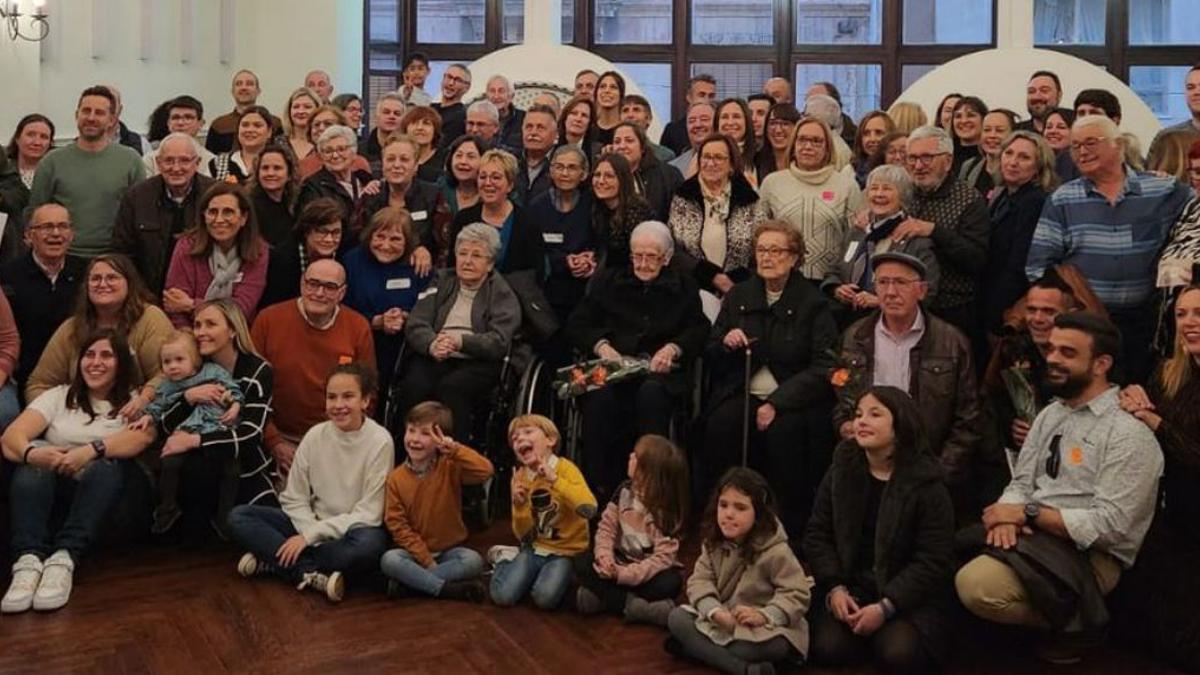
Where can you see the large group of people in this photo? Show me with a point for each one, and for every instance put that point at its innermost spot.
(888, 372)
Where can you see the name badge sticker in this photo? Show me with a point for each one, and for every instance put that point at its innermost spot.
(851, 251)
(552, 237)
(398, 284)
(419, 215)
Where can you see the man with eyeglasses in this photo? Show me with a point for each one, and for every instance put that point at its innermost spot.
(677, 135)
(1111, 223)
(186, 116)
(955, 218)
(455, 83)
(1079, 504)
(155, 211)
(902, 345)
(304, 339)
(41, 284)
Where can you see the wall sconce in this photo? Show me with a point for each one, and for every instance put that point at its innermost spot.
(10, 14)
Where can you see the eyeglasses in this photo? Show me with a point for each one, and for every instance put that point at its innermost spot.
(456, 79)
(105, 279)
(781, 123)
(51, 227)
(899, 283)
(1090, 144)
(329, 151)
(774, 251)
(812, 141)
(327, 233)
(563, 168)
(1054, 460)
(924, 159)
(318, 285)
(226, 213)
(713, 159)
(172, 162)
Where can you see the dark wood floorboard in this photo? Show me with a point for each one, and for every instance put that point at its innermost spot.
(171, 610)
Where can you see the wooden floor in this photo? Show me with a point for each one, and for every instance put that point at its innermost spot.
(170, 610)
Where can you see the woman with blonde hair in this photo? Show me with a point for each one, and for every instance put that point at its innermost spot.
(1169, 154)
(297, 115)
(907, 116)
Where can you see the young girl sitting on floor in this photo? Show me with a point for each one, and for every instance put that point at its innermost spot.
(633, 568)
(748, 593)
(333, 503)
(551, 505)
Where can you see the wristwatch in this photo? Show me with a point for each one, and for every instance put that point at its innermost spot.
(1032, 509)
(99, 448)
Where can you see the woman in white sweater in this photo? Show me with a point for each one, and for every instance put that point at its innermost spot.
(332, 508)
(814, 197)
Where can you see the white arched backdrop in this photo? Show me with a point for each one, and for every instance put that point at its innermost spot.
(554, 64)
(999, 76)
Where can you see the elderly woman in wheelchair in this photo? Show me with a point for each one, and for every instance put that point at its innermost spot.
(645, 309)
(460, 331)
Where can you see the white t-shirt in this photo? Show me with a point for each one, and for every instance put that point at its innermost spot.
(72, 427)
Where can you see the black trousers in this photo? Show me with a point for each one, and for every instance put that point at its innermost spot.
(457, 383)
(665, 585)
(613, 419)
(1137, 357)
(793, 453)
(894, 648)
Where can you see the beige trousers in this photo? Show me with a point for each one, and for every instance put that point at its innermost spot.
(991, 590)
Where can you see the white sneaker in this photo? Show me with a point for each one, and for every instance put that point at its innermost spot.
(54, 589)
(26, 573)
(250, 565)
(332, 585)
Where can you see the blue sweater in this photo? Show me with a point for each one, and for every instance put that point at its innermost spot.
(373, 288)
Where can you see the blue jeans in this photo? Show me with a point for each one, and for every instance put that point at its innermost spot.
(455, 564)
(263, 529)
(31, 501)
(544, 577)
(10, 406)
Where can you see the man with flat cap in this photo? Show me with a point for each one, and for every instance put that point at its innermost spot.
(903, 345)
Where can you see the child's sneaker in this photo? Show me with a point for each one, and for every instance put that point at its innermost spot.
(499, 553)
(26, 573)
(332, 585)
(587, 602)
(639, 610)
(469, 590)
(250, 565)
(54, 588)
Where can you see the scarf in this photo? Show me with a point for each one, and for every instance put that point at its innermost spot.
(814, 177)
(716, 214)
(225, 267)
(878, 232)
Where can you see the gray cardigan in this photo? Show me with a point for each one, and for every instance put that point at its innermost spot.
(495, 316)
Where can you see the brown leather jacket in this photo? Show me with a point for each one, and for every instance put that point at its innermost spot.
(943, 387)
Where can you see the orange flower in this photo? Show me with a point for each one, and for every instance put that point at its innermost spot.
(599, 375)
(840, 377)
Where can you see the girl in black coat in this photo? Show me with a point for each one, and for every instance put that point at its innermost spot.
(791, 333)
(880, 544)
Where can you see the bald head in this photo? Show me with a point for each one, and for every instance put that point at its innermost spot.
(320, 82)
(327, 269)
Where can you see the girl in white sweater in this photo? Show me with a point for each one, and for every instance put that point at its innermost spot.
(330, 523)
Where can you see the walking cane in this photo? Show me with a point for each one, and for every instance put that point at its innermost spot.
(746, 410)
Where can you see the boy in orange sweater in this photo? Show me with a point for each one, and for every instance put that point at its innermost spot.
(424, 510)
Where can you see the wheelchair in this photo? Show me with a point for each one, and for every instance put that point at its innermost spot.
(523, 387)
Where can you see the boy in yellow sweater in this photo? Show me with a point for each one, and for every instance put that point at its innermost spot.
(551, 506)
(423, 511)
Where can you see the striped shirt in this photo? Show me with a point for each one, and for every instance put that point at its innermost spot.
(1115, 246)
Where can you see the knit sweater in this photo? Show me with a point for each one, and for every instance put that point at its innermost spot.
(90, 185)
(10, 342)
(302, 356)
(961, 227)
(554, 518)
(57, 365)
(337, 480)
(192, 274)
(820, 204)
(628, 536)
(424, 512)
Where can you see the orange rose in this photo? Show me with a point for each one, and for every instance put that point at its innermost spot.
(840, 377)
(599, 375)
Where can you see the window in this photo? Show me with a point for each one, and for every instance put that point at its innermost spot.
(384, 21)
(835, 22)
(378, 85)
(1161, 87)
(514, 21)
(1164, 22)
(948, 22)
(618, 22)
(858, 83)
(1069, 22)
(911, 72)
(718, 22)
(735, 79)
(655, 82)
(450, 21)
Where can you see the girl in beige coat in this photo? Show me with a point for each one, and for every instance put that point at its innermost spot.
(747, 594)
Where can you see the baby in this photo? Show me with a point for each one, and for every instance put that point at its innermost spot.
(183, 369)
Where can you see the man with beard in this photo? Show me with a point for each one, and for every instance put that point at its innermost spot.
(1079, 503)
(89, 176)
(1042, 95)
(455, 83)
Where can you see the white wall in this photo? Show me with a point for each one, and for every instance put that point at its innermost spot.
(101, 41)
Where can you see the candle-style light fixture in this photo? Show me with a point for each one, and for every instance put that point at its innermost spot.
(10, 15)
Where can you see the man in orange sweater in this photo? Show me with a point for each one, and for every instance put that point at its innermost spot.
(424, 510)
(304, 339)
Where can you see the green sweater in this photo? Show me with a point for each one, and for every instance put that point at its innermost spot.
(90, 185)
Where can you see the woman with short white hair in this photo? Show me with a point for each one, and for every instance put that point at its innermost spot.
(337, 178)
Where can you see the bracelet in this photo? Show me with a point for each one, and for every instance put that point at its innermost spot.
(889, 610)
(28, 449)
(99, 448)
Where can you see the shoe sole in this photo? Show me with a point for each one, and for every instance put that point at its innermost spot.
(50, 606)
(11, 608)
(248, 565)
(335, 588)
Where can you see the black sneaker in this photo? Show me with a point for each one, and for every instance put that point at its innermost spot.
(469, 590)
